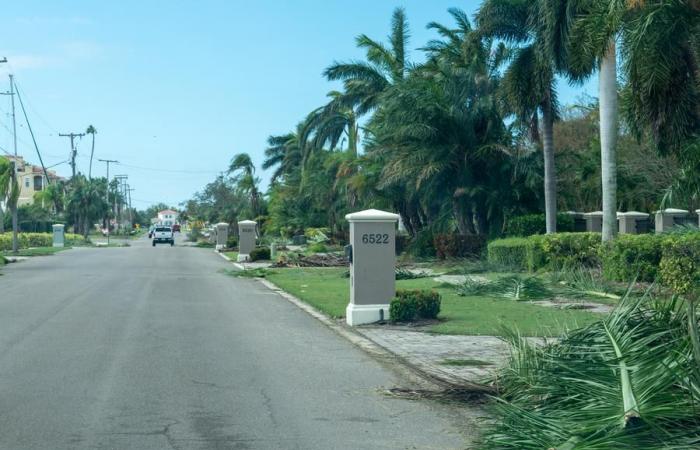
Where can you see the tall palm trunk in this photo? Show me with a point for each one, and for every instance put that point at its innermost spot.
(352, 135)
(92, 152)
(608, 140)
(550, 173)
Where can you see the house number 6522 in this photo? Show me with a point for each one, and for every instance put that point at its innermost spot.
(375, 238)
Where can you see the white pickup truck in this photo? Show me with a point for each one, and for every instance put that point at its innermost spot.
(163, 235)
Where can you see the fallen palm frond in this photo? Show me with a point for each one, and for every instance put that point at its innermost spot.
(515, 287)
(405, 274)
(627, 381)
(582, 282)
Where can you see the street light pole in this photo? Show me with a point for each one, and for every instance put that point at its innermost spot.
(108, 161)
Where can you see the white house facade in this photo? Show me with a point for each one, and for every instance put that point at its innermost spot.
(168, 217)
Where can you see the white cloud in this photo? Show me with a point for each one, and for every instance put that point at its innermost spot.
(64, 54)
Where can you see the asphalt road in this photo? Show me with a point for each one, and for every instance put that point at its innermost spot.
(156, 348)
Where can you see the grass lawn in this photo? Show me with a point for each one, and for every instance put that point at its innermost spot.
(328, 291)
(36, 251)
(232, 255)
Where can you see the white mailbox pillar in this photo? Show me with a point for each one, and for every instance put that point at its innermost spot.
(59, 236)
(372, 266)
(221, 235)
(594, 221)
(247, 233)
(629, 222)
(668, 218)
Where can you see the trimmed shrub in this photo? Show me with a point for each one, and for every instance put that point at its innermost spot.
(530, 224)
(458, 245)
(562, 250)
(75, 240)
(318, 247)
(27, 240)
(427, 304)
(509, 252)
(232, 242)
(260, 253)
(409, 305)
(559, 250)
(402, 309)
(632, 255)
(680, 264)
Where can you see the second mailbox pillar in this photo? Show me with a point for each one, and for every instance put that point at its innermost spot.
(373, 265)
(247, 233)
(221, 235)
(59, 236)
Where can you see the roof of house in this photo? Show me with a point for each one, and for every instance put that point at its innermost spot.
(167, 211)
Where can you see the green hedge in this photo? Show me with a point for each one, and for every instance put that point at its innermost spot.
(409, 305)
(509, 252)
(260, 253)
(27, 240)
(633, 255)
(531, 224)
(672, 258)
(680, 262)
(546, 251)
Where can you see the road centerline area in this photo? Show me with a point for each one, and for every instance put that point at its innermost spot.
(143, 347)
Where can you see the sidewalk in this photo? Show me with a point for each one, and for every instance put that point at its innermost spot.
(452, 360)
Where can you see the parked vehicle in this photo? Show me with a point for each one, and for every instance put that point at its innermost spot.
(150, 231)
(163, 235)
(176, 228)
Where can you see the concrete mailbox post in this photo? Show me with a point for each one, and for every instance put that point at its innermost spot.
(633, 222)
(247, 233)
(697, 211)
(669, 217)
(594, 221)
(221, 235)
(59, 236)
(212, 235)
(579, 220)
(372, 265)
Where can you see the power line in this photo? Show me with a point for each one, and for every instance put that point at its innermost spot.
(41, 161)
(193, 172)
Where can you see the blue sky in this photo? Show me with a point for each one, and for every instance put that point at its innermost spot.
(176, 88)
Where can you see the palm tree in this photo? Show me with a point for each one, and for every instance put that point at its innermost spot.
(327, 125)
(592, 46)
(537, 28)
(92, 131)
(284, 153)
(243, 167)
(364, 81)
(9, 194)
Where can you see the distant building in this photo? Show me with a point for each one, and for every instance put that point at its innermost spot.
(31, 180)
(168, 217)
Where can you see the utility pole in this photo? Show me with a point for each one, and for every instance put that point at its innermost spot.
(13, 208)
(131, 210)
(122, 190)
(73, 151)
(108, 161)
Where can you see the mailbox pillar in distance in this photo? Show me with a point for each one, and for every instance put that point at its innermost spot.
(221, 235)
(59, 236)
(247, 233)
(373, 265)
